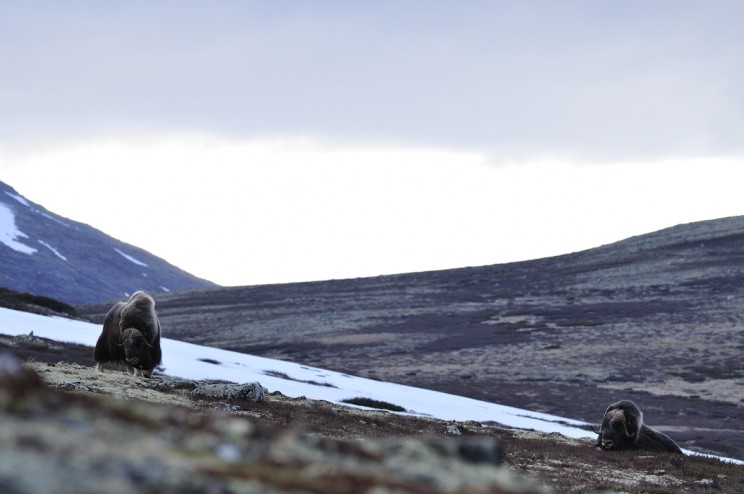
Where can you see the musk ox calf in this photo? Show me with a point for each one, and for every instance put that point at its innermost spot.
(623, 428)
(131, 335)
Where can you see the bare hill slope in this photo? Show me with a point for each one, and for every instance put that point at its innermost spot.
(655, 318)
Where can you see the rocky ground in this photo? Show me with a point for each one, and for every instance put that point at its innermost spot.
(67, 428)
(656, 319)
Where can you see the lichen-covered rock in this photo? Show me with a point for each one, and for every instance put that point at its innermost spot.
(86, 443)
(230, 391)
(29, 339)
(139, 436)
(455, 430)
(77, 386)
(170, 383)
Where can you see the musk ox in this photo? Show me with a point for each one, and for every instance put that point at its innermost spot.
(623, 428)
(131, 335)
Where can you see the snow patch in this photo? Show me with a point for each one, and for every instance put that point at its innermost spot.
(193, 362)
(9, 232)
(164, 289)
(19, 199)
(130, 258)
(54, 251)
(50, 217)
(23, 201)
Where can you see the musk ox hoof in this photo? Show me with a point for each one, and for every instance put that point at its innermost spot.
(137, 372)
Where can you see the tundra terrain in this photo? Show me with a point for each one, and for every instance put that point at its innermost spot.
(655, 318)
(108, 432)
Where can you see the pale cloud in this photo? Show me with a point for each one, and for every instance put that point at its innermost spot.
(577, 80)
(248, 212)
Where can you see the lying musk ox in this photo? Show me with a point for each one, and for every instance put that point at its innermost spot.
(131, 334)
(623, 428)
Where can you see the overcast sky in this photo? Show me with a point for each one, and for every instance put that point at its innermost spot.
(258, 142)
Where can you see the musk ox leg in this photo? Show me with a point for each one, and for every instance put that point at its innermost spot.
(100, 367)
(134, 371)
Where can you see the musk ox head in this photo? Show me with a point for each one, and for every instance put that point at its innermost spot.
(136, 348)
(620, 427)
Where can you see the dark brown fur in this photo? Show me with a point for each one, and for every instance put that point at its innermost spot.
(131, 335)
(623, 429)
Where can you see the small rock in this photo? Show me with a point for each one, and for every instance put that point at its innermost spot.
(172, 383)
(77, 386)
(29, 338)
(455, 430)
(227, 407)
(473, 450)
(230, 391)
(708, 483)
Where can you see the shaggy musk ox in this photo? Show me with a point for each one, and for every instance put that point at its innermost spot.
(623, 428)
(131, 334)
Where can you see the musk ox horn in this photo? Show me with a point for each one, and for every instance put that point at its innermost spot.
(619, 416)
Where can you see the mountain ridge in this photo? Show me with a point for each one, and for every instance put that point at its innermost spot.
(46, 254)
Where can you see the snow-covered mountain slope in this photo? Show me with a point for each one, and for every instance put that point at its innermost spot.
(198, 362)
(45, 254)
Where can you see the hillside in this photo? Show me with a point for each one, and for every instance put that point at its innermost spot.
(655, 318)
(62, 417)
(45, 254)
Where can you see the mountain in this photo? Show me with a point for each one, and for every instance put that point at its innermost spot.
(657, 318)
(45, 254)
